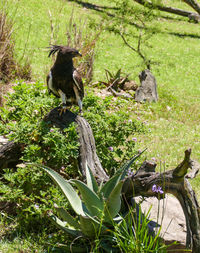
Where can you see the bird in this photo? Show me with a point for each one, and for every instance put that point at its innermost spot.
(64, 80)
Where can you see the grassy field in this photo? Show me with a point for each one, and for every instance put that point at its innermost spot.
(174, 122)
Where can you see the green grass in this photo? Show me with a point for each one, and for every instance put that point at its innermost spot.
(173, 122)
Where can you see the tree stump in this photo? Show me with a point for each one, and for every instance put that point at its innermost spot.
(147, 91)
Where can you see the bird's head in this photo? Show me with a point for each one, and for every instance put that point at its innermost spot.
(64, 52)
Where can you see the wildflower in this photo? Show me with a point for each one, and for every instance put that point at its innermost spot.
(36, 206)
(157, 189)
(130, 120)
(130, 173)
(153, 159)
(134, 139)
(154, 188)
(111, 149)
(51, 130)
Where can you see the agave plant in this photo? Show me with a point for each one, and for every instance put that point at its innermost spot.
(98, 207)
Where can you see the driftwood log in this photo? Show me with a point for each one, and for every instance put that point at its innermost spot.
(140, 184)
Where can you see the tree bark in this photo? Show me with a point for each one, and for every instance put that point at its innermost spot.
(193, 4)
(173, 182)
(87, 150)
(177, 11)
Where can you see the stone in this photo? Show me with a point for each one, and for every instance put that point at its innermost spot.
(168, 214)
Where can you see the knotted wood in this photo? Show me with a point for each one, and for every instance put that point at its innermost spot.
(173, 182)
(87, 150)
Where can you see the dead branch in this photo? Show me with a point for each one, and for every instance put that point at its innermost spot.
(173, 182)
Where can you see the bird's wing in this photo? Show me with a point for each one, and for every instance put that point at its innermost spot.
(78, 81)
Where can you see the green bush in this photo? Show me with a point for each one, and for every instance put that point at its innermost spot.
(22, 122)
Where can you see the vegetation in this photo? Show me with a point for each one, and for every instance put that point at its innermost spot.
(120, 126)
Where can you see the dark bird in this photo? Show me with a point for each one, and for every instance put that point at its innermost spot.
(63, 79)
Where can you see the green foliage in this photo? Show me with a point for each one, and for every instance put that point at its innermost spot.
(97, 219)
(113, 129)
(22, 121)
(132, 234)
(97, 208)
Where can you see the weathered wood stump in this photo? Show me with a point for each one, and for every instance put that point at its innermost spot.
(140, 184)
(147, 91)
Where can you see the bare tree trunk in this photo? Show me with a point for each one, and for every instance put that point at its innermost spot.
(193, 4)
(180, 12)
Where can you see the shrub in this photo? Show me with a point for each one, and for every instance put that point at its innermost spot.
(22, 122)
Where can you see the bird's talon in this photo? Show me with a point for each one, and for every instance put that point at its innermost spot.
(62, 110)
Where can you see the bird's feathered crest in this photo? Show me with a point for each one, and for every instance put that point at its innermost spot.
(64, 50)
(54, 49)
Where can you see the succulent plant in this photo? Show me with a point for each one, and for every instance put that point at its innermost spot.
(97, 208)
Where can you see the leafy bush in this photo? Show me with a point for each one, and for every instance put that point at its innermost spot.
(22, 122)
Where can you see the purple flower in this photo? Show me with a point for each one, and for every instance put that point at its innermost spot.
(134, 139)
(51, 130)
(130, 173)
(36, 206)
(157, 189)
(130, 120)
(111, 149)
(154, 188)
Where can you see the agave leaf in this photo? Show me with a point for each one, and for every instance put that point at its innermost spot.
(62, 225)
(93, 203)
(67, 217)
(88, 226)
(67, 189)
(110, 185)
(128, 164)
(91, 182)
(108, 73)
(113, 203)
(117, 75)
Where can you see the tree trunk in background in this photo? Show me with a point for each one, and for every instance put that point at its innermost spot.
(189, 14)
(193, 4)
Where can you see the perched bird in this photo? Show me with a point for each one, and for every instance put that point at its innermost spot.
(63, 79)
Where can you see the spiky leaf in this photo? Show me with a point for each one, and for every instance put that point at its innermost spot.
(63, 225)
(110, 185)
(67, 217)
(113, 203)
(93, 203)
(91, 182)
(67, 189)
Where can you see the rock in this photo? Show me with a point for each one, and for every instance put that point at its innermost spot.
(171, 217)
(147, 91)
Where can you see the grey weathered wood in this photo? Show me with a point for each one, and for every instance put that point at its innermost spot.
(87, 151)
(10, 154)
(173, 182)
(147, 91)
